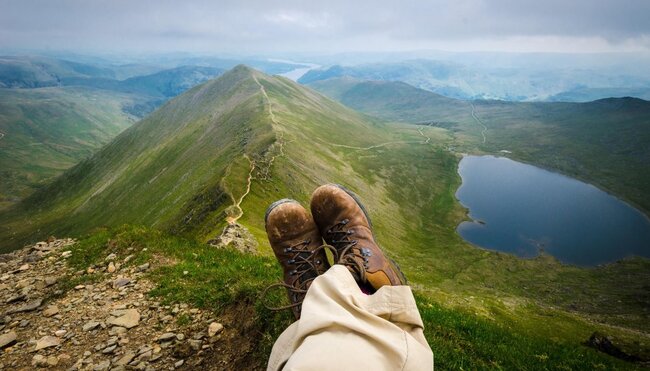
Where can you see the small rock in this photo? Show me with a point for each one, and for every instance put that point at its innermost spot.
(111, 268)
(143, 267)
(144, 356)
(129, 319)
(109, 349)
(214, 328)
(39, 361)
(117, 330)
(16, 298)
(66, 254)
(49, 281)
(121, 282)
(52, 361)
(111, 341)
(23, 283)
(182, 350)
(63, 357)
(32, 305)
(60, 333)
(195, 344)
(32, 258)
(47, 342)
(103, 366)
(50, 311)
(180, 337)
(90, 270)
(90, 326)
(24, 267)
(126, 359)
(7, 339)
(110, 257)
(80, 287)
(179, 363)
(166, 337)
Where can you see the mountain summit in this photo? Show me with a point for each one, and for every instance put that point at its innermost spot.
(204, 159)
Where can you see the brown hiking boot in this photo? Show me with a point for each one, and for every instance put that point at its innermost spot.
(345, 225)
(297, 245)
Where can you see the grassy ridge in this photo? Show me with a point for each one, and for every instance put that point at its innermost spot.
(180, 170)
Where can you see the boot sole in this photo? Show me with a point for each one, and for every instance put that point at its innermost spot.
(276, 204)
(356, 199)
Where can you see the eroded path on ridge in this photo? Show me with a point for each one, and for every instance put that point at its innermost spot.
(253, 165)
(237, 204)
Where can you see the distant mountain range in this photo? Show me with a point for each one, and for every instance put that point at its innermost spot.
(510, 83)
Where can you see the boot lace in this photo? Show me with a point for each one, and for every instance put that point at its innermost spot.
(347, 251)
(305, 269)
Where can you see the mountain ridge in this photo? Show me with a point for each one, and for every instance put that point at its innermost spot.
(219, 154)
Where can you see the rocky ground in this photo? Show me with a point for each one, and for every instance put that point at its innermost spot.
(111, 324)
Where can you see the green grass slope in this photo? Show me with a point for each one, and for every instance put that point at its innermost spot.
(228, 148)
(604, 142)
(48, 130)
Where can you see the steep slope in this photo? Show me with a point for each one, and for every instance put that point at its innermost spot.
(155, 167)
(45, 131)
(604, 142)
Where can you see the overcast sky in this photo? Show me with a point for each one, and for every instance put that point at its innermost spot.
(264, 26)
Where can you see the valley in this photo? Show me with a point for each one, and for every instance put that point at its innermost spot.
(220, 153)
(601, 142)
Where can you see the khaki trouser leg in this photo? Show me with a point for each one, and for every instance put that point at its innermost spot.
(342, 328)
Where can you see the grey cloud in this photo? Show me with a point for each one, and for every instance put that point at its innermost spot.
(293, 25)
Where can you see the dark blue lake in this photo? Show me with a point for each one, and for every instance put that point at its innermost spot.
(520, 209)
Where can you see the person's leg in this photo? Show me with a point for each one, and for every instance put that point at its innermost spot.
(342, 328)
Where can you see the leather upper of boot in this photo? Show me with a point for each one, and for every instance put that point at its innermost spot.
(296, 242)
(345, 225)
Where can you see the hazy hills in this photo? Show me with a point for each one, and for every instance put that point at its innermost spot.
(34, 72)
(477, 79)
(603, 142)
